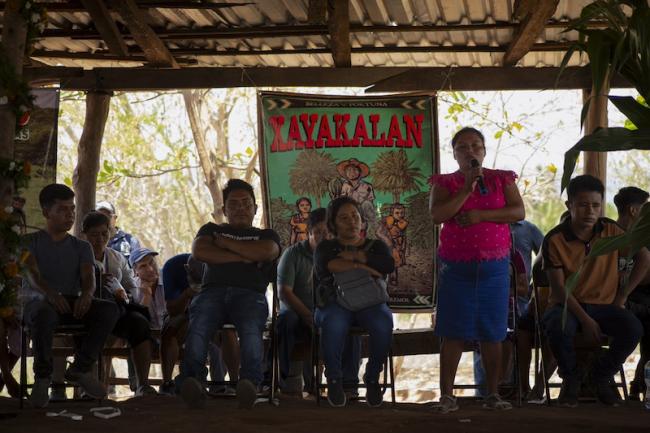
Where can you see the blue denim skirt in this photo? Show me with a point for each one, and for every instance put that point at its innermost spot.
(473, 300)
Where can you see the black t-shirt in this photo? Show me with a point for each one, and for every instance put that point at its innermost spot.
(378, 257)
(254, 276)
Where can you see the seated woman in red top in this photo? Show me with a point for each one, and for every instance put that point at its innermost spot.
(475, 206)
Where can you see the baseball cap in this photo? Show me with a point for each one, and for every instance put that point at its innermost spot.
(106, 206)
(140, 254)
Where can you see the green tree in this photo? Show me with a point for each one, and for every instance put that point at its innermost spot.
(392, 172)
(311, 174)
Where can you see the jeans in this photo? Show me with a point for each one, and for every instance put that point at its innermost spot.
(335, 321)
(291, 330)
(617, 323)
(42, 319)
(246, 309)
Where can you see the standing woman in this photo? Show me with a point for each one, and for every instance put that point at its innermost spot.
(474, 250)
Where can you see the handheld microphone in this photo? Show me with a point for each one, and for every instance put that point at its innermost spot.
(479, 180)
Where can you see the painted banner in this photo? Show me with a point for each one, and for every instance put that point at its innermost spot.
(36, 142)
(378, 150)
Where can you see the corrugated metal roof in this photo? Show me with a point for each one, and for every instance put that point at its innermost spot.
(369, 48)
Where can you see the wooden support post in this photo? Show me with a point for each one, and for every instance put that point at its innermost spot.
(14, 38)
(84, 178)
(596, 162)
(339, 27)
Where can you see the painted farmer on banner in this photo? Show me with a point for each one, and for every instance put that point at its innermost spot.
(378, 151)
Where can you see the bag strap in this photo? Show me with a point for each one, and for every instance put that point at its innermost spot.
(368, 245)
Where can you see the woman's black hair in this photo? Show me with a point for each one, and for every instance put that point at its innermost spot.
(464, 130)
(94, 219)
(333, 209)
(316, 217)
(303, 199)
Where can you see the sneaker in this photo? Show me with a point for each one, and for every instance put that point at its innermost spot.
(192, 393)
(87, 381)
(246, 394)
(40, 392)
(569, 392)
(494, 402)
(145, 389)
(374, 394)
(446, 404)
(335, 393)
(606, 393)
(167, 388)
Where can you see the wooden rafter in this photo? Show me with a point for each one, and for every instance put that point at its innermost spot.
(529, 29)
(317, 11)
(381, 79)
(78, 6)
(339, 28)
(137, 55)
(106, 26)
(282, 31)
(155, 50)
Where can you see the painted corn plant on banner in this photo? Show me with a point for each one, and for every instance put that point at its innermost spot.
(378, 150)
(36, 142)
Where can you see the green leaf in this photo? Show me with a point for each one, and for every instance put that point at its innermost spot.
(498, 134)
(68, 181)
(637, 113)
(604, 140)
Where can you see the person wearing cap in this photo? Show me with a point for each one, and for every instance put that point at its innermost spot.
(240, 263)
(354, 171)
(120, 241)
(150, 291)
(114, 282)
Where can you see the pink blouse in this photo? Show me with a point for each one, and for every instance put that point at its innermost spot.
(482, 241)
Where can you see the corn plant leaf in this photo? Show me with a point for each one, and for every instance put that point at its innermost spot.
(636, 112)
(604, 140)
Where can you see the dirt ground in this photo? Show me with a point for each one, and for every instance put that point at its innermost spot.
(167, 414)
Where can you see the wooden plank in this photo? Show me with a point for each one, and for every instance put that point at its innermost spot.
(283, 31)
(136, 55)
(339, 28)
(84, 177)
(317, 11)
(106, 27)
(529, 30)
(77, 6)
(377, 79)
(154, 49)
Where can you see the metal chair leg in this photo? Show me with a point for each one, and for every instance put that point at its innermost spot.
(392, 376)
(623, 383)
(23, 365)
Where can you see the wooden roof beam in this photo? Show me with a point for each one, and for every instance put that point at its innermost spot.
(339, 27)
(380, 79)
(78, 6)
(530, 27)
(106, 26)
(155, 51)
(317, 11)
